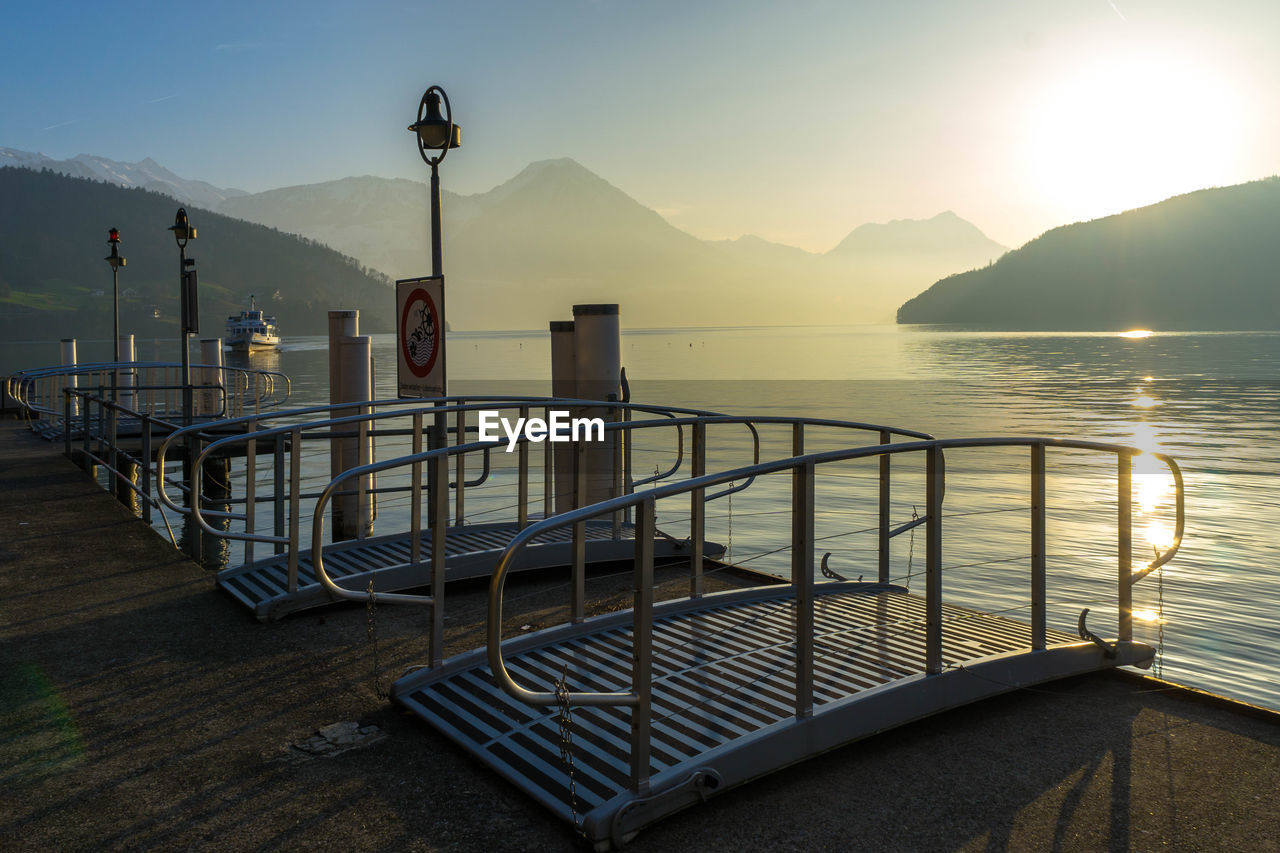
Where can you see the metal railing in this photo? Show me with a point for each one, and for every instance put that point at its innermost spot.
(437, 463)
(287, 433)
(94, 431)
(803, 469)
(153, 389)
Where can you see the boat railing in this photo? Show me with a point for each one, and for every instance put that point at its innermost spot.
(436, 462)
(803, 468)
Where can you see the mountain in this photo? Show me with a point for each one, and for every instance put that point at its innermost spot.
(1204, 260)
(147, 174)
(53, 280)
(945, 233)
(383, 222)
(557, 234)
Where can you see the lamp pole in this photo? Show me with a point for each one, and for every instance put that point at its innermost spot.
(436, 133)
(183, 232)
(113, 240)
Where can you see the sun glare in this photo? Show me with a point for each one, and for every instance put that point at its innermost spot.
(1137, 333)
(1125, 132)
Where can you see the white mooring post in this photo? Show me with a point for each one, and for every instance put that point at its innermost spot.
(341, 324)
(563, 384)
(350, 381)
(209, 402)
(68, 352)
(128, 376)
(597, 367)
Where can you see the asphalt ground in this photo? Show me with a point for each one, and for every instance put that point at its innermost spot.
(141, 708)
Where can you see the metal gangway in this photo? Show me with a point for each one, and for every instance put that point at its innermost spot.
(616, 721)
(461, 534)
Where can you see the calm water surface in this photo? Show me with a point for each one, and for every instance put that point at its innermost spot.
(1211, 400)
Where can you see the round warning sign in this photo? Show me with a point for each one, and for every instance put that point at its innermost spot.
(420, 332)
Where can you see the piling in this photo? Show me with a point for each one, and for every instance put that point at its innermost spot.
(350, 381)
(210, 401)
(68, 352)
(563, 384)
(127, 377)
(597, 376)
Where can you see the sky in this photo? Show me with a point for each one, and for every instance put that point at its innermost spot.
(794, 121)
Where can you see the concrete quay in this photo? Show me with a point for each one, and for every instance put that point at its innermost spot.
(141, 708)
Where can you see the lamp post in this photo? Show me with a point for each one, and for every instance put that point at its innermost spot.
(436, 133)
(183, 232)
(113, 240)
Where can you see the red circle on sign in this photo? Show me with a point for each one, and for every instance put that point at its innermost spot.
(421, 333)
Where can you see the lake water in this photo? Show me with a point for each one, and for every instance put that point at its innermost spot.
(1211, 400)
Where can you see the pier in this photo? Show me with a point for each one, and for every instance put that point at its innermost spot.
(125, 724)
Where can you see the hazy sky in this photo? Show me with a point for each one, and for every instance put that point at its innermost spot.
(796, 121)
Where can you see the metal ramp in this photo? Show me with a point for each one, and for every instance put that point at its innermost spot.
(723, 693)
(617, 721)
(470, 551)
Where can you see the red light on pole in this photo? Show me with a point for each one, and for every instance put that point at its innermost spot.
(113, 236)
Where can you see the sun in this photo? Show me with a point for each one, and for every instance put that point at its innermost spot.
(1124, 132)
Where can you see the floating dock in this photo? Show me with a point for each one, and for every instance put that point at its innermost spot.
(127, 726)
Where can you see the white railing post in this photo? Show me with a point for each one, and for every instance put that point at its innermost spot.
(295, 503)
(578, 594)
(802, 495)
(522, 478)
(1038, 548)
(697, 511)
(885, 507)
(439, 486)
(642, 647)
(933, 560)
(460, 467)
(1124, 504)
(250, 488)
(415, 495)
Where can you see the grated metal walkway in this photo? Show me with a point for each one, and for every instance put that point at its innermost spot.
(470, 551)
(723, 688)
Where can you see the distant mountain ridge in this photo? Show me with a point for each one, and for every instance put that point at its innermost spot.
(945, 232)
(146, 174)
(1206, 260)
(557, 233)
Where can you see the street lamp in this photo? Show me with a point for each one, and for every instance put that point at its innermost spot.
(113, 240)
(183, 232)
(435, 133)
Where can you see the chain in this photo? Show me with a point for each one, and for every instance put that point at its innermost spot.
(371, 610)
(566, 742)
(1160, 623)
(911, 545)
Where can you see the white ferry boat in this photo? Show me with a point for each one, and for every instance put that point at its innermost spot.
(252, 330)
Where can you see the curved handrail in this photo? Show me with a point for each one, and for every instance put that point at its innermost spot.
(317, 531)
(25, 386)
(497, 664)
(393, 408)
